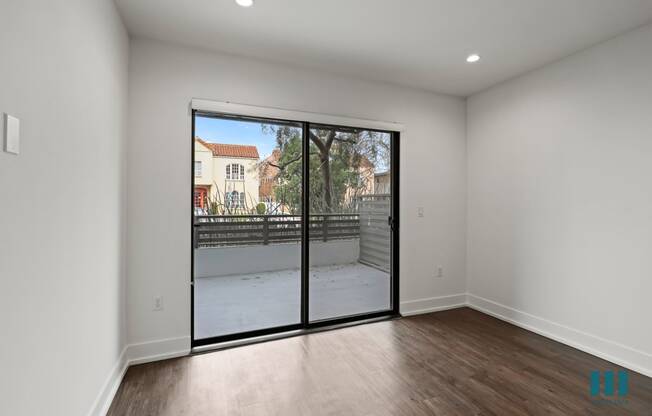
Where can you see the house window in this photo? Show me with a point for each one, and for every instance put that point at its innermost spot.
(242, 200)
(234, 200)
(235, 172)
(197, 168)
(200, 198)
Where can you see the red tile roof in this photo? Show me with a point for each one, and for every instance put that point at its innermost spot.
(231, 150)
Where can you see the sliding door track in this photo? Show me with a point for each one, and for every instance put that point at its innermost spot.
(290, 332)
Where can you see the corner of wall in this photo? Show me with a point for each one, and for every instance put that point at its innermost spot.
(110, 387)
(433, 304)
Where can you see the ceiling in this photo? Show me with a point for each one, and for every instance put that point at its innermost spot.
(417, 43)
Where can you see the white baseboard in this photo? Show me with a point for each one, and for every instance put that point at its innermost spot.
(162, 349)
(110, 387)
(614, 352)
(440, 303)
(137, 354)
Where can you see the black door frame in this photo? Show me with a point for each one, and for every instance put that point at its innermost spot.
(305, 324)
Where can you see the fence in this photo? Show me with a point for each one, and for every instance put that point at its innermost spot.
(375, 233)
(237, 230)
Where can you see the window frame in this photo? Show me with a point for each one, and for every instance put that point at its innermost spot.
(235, 172)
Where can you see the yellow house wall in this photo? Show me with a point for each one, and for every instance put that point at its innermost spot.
(205, 156)
(249, 185)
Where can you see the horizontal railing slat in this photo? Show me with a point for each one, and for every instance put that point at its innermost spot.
(233, 230)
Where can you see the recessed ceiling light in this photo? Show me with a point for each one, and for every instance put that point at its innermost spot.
(245, 3)
(474, 57)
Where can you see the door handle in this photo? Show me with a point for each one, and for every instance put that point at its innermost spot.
(391, 222)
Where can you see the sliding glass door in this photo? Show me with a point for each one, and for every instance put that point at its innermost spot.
(350, 214)
(247, 225)
(262, 263)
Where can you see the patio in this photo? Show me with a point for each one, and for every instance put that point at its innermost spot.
(244, 302)
(247, 268)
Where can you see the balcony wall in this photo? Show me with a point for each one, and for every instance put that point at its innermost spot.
(226, 261)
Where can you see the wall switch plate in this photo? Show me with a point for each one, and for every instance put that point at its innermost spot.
(158, 303)
(420, 212)
(12, 134)
(439, 273)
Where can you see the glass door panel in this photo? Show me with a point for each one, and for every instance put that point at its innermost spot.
(349, 229)
(247, 225)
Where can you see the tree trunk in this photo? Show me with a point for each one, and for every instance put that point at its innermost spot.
(326, 177)
(324, 157)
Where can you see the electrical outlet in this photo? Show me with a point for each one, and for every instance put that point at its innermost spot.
(439, 272)
(158, 303)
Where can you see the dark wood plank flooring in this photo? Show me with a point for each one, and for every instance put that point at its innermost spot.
(457, 362)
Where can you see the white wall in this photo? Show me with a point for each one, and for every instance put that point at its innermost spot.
(164, 78)
(560, 198)
(63, 72)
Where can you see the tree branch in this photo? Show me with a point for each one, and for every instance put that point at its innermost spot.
(289, 162)
(350, 141)
(317, 141)
(286, 164)
(330, 138)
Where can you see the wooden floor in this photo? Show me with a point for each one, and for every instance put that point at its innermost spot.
(457, 362)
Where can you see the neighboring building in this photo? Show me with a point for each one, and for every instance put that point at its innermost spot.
(382, 183)
(269, 180)
(226, 178)
(365, 186)
(268, 172)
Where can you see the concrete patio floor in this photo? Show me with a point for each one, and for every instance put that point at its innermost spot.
(238, 303)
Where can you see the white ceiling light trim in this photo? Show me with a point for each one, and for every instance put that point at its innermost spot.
(225, 107)
(473, 58)
(245, 3)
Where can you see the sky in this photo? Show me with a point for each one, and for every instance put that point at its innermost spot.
(227, 131)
